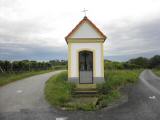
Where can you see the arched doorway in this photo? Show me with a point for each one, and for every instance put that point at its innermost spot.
(86, 67)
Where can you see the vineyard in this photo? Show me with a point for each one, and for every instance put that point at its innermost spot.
(26, 65)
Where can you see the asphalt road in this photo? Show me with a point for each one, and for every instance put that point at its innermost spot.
(24, 94)
(24, 100)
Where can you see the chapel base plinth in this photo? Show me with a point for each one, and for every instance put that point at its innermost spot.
(96, 80)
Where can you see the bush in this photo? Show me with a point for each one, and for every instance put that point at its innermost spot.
(109, 65)
(23, 66)
(113, 65)
(155, 62)
(118, 78)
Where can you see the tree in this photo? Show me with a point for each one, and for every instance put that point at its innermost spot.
(140, 61)
(155, 62)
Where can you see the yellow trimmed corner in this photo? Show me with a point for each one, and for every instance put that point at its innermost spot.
(102, 58)
(69, 60)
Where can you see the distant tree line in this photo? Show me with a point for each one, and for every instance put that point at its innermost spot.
(26, 65)
(58, 62)
(137, 63)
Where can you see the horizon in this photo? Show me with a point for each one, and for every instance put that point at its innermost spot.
(67, 59)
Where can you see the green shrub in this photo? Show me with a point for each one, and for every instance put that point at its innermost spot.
(118, 78)
(113, 65)
(115, 79)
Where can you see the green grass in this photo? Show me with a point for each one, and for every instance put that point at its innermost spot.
(58, 90)
(6, 78)
(82, 103)
(106, 99)
(115, 79)
(157, 72)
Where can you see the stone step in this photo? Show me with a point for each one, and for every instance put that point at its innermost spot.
(85, 94)
(85, 90)
(83, 100)
(86, 86)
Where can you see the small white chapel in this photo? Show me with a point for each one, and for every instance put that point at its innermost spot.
(85, 53)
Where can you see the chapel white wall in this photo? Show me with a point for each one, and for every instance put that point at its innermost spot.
(75, 47)
(86, 31)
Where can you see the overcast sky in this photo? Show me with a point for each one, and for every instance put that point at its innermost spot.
(35, 29)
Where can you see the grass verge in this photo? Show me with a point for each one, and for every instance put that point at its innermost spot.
(6, 78)
(157, 72)
(115, 79)
(58, 90)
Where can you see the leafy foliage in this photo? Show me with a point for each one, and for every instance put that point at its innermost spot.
(155, 62)
(58, 62)
(140, 61)
(137, 63)
(12, 71)
(24, 65)
(118, 78)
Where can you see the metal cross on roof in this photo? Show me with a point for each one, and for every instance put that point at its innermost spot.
(84, 11)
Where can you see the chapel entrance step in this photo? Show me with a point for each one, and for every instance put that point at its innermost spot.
(86, 86)
(85, 90)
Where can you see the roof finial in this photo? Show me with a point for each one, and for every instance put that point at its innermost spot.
(84, 12)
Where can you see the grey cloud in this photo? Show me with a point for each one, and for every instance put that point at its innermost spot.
(133, 39)
(23, 40)
(22, 27)
(31, 51)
